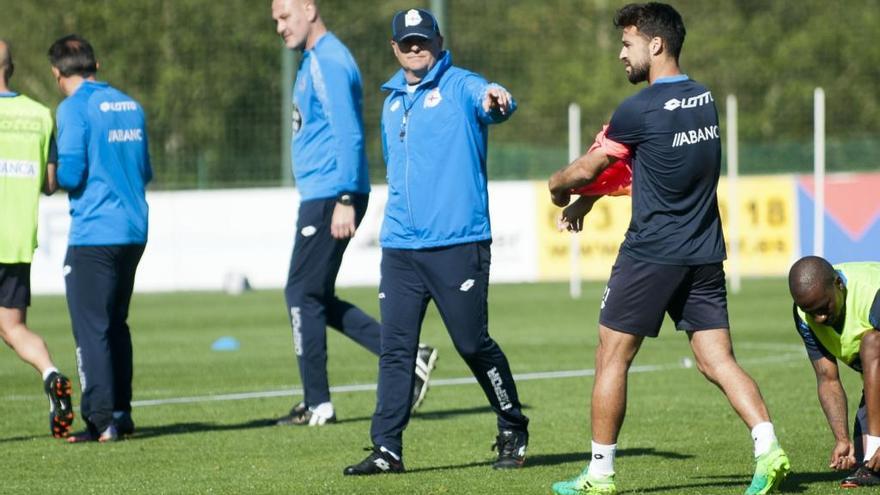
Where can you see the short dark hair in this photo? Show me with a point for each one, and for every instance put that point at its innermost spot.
(6, 65)
(654, 20)
(73, 55)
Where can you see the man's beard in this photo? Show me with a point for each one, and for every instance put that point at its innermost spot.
(638, 74)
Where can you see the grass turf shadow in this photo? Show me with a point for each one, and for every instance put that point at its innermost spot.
(794, 483)
(564, 458)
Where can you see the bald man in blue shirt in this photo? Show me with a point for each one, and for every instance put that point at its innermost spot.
(330, 167)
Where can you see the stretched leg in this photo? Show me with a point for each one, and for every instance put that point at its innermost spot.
(15, 295)
(309, 285)
(714, 357)
(90, 286)
(701, 310)
(352, 322)
(458, 278)
(614, 356)
(345, 317)
(632, 308)
(29, 346)
(120, 334)
(311, 300)
(403, 301)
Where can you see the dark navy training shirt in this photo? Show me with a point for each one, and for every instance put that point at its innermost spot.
(672, 128)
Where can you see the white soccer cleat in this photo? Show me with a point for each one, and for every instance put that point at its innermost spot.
(322, 414)
(426, 360)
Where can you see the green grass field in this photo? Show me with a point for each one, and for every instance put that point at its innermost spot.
(680, 435)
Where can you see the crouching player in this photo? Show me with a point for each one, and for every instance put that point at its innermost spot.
(837, 314)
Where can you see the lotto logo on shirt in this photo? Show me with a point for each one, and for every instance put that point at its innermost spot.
(20, 124)
(118, 106)
(692, 102)
(125, 135)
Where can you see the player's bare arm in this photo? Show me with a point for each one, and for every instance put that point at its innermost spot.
(572, 217)
(578, 173)
(497, 100)
(832, 398)
(342, 225)
(50, 183)
(869, 354)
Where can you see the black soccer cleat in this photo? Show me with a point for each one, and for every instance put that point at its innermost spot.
(295, 416)
(426, 360)
(301, 415)
(91, 435)
(511, 446)
(58, 389)
(861, 477)
(124, 424)
(378, 462)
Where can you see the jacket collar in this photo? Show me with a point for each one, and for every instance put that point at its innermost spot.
(398, 80)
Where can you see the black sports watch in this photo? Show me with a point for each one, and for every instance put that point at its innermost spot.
(345, 199)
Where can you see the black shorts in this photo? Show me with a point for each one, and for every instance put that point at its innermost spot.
(15, 285)
(639, 293)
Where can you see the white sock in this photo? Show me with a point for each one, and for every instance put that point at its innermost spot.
(48, 371)
(602, 460)
(764, 436)
(392, 454)
(871, 445)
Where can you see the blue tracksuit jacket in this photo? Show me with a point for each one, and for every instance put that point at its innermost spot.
(434, 143)
(104, 164)
(328, 141)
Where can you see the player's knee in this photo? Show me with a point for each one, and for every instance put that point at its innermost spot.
(610, 357)
(712, 369)
(7, 324)
(707, 371)
(9, 332)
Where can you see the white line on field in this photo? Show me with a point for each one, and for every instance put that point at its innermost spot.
(447, 382)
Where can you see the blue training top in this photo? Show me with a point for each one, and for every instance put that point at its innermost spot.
(328, 131)
(104, 164)
(672, 127)
(435, 143)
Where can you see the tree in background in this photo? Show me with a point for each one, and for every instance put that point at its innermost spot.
(209, 74)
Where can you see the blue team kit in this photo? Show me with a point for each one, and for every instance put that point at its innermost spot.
(104, 164)
(328, 95)
(443, 200)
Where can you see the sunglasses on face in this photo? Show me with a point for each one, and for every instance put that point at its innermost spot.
(408, 44)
